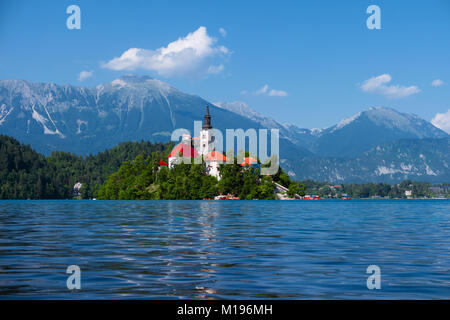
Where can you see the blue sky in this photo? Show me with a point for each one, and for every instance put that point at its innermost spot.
(310, 63)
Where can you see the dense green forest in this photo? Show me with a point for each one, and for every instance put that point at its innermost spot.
(26, 174)
(143, 179)
(131, 171)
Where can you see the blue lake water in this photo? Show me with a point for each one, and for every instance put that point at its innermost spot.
(225, 249)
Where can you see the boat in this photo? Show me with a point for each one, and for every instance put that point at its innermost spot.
(313, 197)
(345, 196)
(226, 197)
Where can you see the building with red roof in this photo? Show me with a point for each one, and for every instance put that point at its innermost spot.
(183, 150)
(249, 161)
(213, 160)
(215, 156)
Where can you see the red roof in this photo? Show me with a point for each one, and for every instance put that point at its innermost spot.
(215, 156)
(185, 151)
(249, 161)
(162, 163)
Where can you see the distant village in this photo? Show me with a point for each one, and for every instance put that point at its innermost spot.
(403, 190)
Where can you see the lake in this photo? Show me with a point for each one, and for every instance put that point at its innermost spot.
(225, 249)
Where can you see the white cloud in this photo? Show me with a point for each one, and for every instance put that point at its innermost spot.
(216, 69)
(272, 92)
(379, 85)
(85, 75)
(442, 121)
(263, 90)
(277, 93)
(223, 32)
(195, 53)
(437, 83)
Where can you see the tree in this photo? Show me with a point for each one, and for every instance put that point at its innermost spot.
(296, 188)
(266, 189)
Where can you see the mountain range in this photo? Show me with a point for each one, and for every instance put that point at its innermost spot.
(378, 144)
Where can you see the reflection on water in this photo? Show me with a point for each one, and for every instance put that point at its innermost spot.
(225, 249)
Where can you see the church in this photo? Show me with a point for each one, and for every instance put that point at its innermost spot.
(201, 146)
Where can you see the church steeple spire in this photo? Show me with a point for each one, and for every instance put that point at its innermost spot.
(207, 119)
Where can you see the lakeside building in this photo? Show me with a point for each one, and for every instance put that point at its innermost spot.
(440, 191)
(77, 189)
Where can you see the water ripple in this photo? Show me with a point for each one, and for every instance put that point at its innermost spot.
(226, 249)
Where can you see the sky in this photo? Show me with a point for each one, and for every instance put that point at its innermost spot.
(309, 63)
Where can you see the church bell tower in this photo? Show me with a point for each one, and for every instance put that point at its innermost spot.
(206, 135)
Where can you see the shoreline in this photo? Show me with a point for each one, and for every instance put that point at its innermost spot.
(301, 200)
